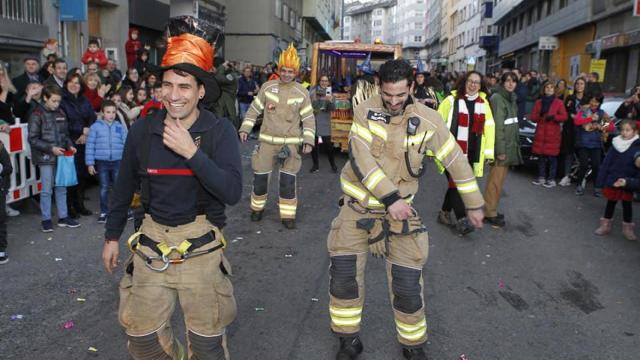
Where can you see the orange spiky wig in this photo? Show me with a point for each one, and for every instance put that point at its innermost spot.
(289, 58)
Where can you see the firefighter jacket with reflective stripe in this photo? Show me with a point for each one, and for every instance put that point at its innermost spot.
(287, 113)
(377, 173)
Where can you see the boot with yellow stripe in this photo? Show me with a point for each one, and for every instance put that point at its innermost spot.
(350, 348)
(414, 354)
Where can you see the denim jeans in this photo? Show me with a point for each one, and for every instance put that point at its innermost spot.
(107, 174)
(542, 167)
(243, 110)
(47, 176)
(586, 157)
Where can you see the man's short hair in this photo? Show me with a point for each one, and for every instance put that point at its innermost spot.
(393, 71)
(106, 104)
(59, 61)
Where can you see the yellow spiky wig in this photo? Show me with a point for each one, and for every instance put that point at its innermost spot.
(289, 58)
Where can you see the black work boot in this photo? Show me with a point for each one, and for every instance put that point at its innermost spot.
(414, 354)
(495, 221)
(256, 215)
(464, 227)
(289, 223)
(350, 348)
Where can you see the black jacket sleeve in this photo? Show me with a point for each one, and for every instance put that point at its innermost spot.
(7, 169)
(221, 176)
(34, 131)
(126, 183)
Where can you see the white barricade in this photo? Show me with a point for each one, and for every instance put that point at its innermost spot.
(24, 179)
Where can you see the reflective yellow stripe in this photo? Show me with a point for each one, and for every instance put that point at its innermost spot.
(362, 132)
(488, 152)
(345, 312)
(306, 109)
(294, 100)
(275, 140)
(287, 206)
(258, 103)
(288, 212)
(489, 122)
(271, 96)
(259, 204)
(446, 149)
(412, 332)
(467, 187)
(378, 130)
(309, 132)
(374, 179)
(416, 139)
(248, 123)
(352, 190)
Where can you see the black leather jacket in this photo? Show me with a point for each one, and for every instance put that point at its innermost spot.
(46, 130)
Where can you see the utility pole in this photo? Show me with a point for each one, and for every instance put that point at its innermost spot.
(342, 21)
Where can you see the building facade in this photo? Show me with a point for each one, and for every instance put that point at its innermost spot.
(433, 34)
(371, 21)
(411, 20)
(257, 31)
(320, 22)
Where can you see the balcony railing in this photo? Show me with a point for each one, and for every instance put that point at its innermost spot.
(26, 11)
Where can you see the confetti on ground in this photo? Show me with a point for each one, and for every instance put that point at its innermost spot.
(259, 309)
(81, 299)
(17, 317)
(288, 255)
(501, 284)
(92, 349)
(463, 357)
(58, 259)
(49, 238)
(258, 232)
(314, 299)
(68, 325)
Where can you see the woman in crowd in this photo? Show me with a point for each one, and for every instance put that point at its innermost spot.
(470, 120)
(561, 89)
(128, 105)
(507, 146)
(573, 103)
(548, 113)
(132, 78)
(80, 116)
(323, 101)
(7, 92)
(141, 96)
(423, 93)
(94, 90)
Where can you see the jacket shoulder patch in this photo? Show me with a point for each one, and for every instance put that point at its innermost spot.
(378, 116)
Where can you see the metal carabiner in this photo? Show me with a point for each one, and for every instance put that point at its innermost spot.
(149, 263)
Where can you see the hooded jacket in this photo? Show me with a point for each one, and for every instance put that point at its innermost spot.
(505, 114)
(619, 163)
(131, 47)
(105, 142)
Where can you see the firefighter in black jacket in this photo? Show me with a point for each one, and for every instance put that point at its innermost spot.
(187, 164)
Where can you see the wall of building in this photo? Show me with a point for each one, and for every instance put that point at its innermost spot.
(571, 57)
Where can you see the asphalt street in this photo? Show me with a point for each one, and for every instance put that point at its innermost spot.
(544, 287)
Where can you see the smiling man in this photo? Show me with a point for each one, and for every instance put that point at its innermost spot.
(186, 162)
(390, 136)
(288, 124)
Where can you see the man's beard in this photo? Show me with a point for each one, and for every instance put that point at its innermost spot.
(393, 112)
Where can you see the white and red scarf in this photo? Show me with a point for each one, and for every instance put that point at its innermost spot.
(463, 120)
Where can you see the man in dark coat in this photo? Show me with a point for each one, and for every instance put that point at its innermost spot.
(31, 74)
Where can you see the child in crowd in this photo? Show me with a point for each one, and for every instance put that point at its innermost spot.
(592, 125)
(548, 112)
(5, 181)
(141, 96)
(49, 138)
(104, 152)
(619, 164)
(95, 54)
(155, 103)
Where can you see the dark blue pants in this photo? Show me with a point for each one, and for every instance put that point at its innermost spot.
(107, 173)
(542, 167)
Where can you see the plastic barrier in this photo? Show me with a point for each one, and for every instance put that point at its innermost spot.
(25, 180)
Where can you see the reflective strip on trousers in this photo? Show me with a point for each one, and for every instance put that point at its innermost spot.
(412, 332)
(275, 140)
(345, 316)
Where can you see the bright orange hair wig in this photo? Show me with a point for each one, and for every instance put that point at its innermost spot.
(289, 58)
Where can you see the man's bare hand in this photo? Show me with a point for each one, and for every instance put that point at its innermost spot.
(92, 170)
(476, 217)
(244, 137)
(177, 138)
(57, 151)
(400, 210)
(110, 253)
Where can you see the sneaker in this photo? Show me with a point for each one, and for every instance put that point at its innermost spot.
(538, 181)
(597, 193)
(579, 190)
(566, 181)
(314, 169)
(4, 258)
(68, 222)
(102, 218)
(11, 212)
(47, 226)
(550, 184)
(130, 214)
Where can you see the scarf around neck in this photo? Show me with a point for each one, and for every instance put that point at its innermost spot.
(622, 145)
(477, 125)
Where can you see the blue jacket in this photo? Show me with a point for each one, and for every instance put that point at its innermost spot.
(244, 87)
(589, 139)
(617, 165)
(105, 142)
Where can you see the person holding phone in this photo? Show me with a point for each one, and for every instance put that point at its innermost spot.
(630, 108)
(323, 102)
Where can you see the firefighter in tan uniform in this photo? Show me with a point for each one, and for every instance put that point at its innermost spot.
(389, 138)
(288, 123)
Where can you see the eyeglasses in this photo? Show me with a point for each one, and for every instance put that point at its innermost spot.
(472, 82)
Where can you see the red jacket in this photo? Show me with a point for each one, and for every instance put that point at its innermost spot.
(97, 56)
(548, 131)
(131, 48)
(150, 106)
(94, 99)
